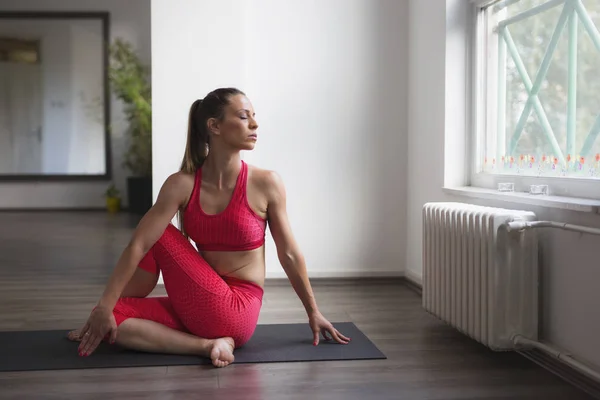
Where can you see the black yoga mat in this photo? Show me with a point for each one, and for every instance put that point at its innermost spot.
(51, 350)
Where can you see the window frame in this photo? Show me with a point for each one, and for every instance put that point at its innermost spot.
(482, 109)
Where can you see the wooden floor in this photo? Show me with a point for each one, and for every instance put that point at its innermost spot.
(53, 267)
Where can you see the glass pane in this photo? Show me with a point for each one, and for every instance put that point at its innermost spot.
(588, 82)
(536, 150)
(516, 98)
(520, 6)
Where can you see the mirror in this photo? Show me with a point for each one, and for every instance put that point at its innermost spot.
(54, 113)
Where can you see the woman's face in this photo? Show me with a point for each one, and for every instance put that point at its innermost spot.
(238, 127)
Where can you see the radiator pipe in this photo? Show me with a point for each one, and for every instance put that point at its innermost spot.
(566, 358)
(518, 339)
(522, 225)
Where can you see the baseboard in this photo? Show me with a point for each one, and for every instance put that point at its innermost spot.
(414, 286)
(341, 278)
(414, 278)
(280, 274)
(564, 371)
(329, 282)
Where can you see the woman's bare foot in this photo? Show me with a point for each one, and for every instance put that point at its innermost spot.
(74, 335)
(221, 351)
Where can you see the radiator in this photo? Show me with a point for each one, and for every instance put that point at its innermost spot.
(478, 277)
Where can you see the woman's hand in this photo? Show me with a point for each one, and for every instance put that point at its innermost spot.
(100, 323)
(320, 325)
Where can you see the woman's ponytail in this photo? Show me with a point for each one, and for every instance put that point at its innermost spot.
(196, 148)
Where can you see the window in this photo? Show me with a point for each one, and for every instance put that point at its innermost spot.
(537, 95)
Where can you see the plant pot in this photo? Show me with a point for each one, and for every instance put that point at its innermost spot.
(139, 193)
(113, 204)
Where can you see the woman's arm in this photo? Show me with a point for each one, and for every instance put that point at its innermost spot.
(292, 259)
(149, 230)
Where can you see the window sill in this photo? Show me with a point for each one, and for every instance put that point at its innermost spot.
(564, 203)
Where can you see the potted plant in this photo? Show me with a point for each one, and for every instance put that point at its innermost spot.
(130, 82)
(113, 199)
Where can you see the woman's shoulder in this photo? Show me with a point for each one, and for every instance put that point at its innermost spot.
(180, 183)
(180, 178)
(266, 180)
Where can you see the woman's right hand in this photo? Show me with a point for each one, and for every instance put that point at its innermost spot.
(100, 323)
(171, 198)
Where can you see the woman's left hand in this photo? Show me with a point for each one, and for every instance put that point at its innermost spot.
(320, 325)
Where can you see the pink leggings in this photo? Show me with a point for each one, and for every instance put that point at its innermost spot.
(199, 301)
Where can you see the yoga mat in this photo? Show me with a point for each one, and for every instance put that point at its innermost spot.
(51, 350)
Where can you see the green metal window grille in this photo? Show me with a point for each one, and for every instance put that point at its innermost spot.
(573, 14)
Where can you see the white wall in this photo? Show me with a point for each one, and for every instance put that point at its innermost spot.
(426, 118)
(329, 82)
(189, 59)
(130, 20)
(570, 267)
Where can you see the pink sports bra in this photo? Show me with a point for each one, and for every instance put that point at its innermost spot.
(237, 228)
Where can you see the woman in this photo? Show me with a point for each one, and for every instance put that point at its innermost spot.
(214, 293)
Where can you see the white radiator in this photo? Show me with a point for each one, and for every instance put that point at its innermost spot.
(477, 277)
